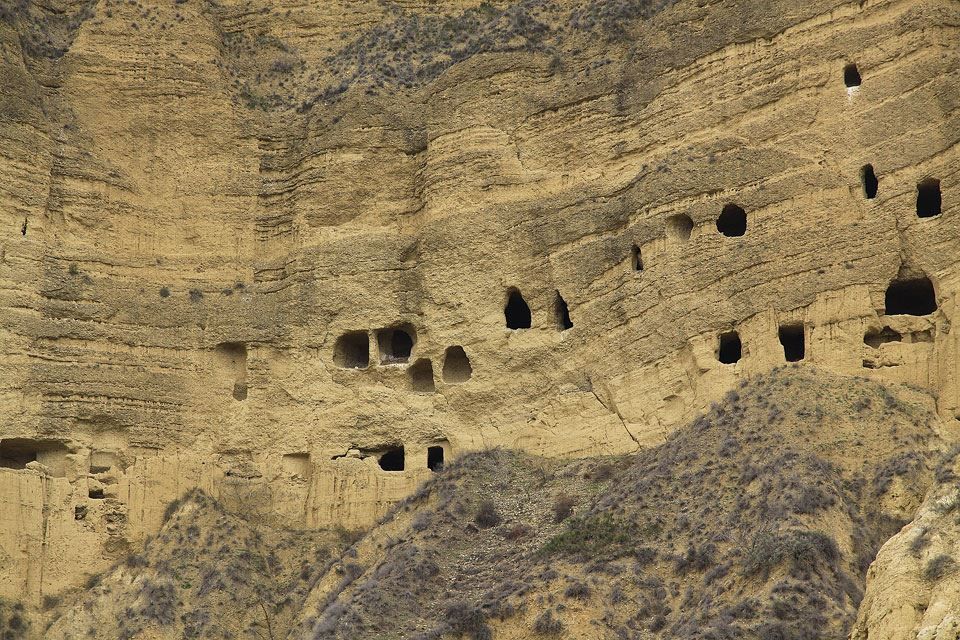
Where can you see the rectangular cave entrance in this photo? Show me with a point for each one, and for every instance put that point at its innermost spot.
(730, 349)
(792, 339)
(435, 458)
(16, 453)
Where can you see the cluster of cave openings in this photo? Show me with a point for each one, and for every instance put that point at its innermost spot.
(929, 200)
(435, 458)
(517, 311)
(636, 260)
(732, 221)
(421, 376)
(679, 227)
(851, 76)
(352, 350)
(910, 296)
(561, 313)
(869, 181)
(395, 344)
(456, 366)
(392, 459)
(793, 340)
(16, 453)
(730, 349)
(232, 361)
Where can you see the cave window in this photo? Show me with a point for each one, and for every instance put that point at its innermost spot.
(874, 338)
(15, 453)
(912, 297)
(562, 313)
(730, 349)
(636, 260)
(679, 227)
(456, 366)
(869, 180)
(517, 312)
(395, 344)
(929, 200)
(421, 376)
(793, 341)
(352, 350)
(96, 494)
(435, 458)
(851, 76)
(392, 460)
(732, 221)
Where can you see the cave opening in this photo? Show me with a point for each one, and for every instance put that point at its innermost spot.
(874, 338)
(793, 341)
(912, 297)
(435, 458)
(679, 227)
(869, 180)
(352, 350)
(562, 313)
(421, 376)
(395, 344)
(517, 312)
(636, 260)
(732, 221)
(851, 76)
(456, 366)
(392, 459)
(929, 200)
(730, 349)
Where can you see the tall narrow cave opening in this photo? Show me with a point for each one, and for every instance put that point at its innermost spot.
(679, 227)
(421, 376)
(636, 260)
(456, 366)
(730, 349)
(392, 459)
(929, 200)
(732, 221)
(395, 344)
(516, 312)
(352, 350)
(793, 341)
(435, 458)
(561, 313)
(869, 181)
(851, 76)
(910, 296)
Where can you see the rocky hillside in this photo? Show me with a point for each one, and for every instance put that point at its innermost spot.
(758, 520)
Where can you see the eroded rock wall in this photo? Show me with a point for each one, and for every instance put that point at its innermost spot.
(193, 221)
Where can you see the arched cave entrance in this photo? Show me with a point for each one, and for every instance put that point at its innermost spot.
(516, 313)
(730, 349)
(561, 313)
(456, 366)
(732, 221)
(421, 376)
(352, 350)
(869, 181)
(793, 341)
(395, 344)
(910, 296)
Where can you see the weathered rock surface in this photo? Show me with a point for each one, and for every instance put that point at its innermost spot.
(200, 199)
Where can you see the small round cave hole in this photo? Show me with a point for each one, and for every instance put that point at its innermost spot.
(352, 350)
(516, 312)
(392, 459)
(911, 297)
(851, 76)
(732, 221)
(456, 366)
(929, 200)
(730, 349)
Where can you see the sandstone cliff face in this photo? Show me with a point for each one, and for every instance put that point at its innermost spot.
(212, 207)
